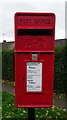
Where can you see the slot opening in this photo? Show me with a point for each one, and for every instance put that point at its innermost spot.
(35, 32)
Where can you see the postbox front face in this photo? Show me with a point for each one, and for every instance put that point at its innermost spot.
(34, 59)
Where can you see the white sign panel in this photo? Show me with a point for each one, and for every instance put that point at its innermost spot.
(34, 76)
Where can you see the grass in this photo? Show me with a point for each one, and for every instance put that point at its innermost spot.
(9, 111)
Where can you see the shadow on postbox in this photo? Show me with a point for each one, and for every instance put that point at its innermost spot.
(34, 59)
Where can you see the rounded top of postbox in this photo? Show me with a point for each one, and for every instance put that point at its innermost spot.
(34, 13)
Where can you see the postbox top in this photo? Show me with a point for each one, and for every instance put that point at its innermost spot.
(34, 20)
(34, 31)
(33, 13)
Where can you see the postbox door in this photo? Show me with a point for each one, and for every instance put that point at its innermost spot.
(40, 97)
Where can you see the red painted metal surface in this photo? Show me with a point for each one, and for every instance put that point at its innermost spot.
(34, 34)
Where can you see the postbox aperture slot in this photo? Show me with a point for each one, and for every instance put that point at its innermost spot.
(35, 32)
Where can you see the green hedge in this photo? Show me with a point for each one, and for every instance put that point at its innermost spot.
(60, 82)
(8, 65)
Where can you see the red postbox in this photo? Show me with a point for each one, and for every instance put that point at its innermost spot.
(34, 59)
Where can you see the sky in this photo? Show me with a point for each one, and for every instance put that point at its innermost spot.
(9, 7)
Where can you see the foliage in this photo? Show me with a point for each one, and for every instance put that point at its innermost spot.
(8, 65)
(60, 69)
(8, 107)
(10, 111)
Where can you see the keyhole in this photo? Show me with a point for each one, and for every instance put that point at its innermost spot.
(23, 78)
